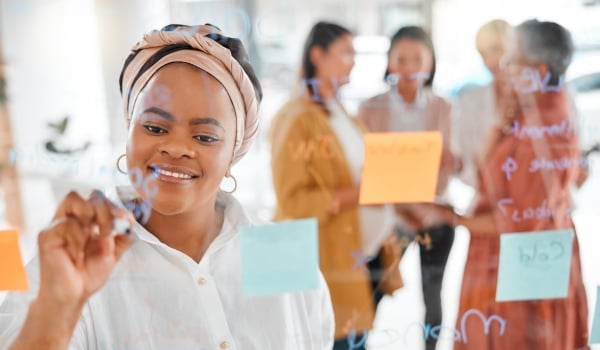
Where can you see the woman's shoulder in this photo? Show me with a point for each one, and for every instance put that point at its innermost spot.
(379, 100)
(299, 109)
(436, 100)
(299, 115)
(299, 105)
(475, 91)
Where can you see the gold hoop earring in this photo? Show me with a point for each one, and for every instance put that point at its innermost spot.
(234, 184)
(118, 161)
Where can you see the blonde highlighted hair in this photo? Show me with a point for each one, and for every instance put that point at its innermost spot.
(494, 29)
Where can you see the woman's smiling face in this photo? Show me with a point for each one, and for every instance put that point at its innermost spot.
(182, 135)
(412, 60)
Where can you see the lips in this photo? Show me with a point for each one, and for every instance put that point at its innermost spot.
(172, 173)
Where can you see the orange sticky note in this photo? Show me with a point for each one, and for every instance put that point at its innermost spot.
(12, 271)
(401, 167)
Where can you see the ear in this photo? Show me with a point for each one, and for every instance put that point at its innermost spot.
(316, 56)
(543, 69)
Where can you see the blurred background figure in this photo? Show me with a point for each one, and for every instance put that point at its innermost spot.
(476, 108)
(543, 49)
(317, 155)
(411, 105)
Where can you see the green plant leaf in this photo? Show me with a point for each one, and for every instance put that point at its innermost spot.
(3, 97)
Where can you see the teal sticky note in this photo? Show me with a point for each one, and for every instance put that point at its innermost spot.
(595, 337)
(280, 258)
(534, 265)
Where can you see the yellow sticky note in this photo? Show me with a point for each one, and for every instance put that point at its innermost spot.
(401, 167)
(12, 271)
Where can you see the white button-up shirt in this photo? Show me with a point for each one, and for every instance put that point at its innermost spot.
(474, 117)
(159, 298)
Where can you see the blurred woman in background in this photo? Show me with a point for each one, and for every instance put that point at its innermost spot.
(317, 156)
(411, 105)
(518, 194)
(477, 107)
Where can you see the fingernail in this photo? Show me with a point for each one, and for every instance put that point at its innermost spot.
(98, 193)
(97, 198)
(96, 201)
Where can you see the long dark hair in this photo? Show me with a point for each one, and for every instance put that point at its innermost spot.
(322, 35)
(418, 34)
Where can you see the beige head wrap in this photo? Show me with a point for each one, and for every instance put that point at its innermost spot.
(207, 55)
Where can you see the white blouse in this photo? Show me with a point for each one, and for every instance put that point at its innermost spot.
(376, 222)
(159, 298)
(408, 116)
(474, 117)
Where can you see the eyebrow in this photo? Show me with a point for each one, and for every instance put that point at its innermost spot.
(196, 121)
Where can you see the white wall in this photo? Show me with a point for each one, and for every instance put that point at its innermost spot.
(53, 69)
(64, 58)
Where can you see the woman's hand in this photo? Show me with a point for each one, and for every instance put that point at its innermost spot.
(77, 254)
(79, 251)
(446, 213)
(344, 198)
(458, 164)
(431, 214)
(582, 177)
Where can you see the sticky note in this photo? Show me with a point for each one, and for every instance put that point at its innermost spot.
(401, 167)
(534, 265)
(595, 336)
(280, 258)
(12, 271)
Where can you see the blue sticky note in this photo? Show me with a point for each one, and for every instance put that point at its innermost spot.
(534, 265)
(280, 258)
(595, 337)
(20, 5)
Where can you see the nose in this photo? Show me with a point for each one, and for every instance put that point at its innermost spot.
(177, 146)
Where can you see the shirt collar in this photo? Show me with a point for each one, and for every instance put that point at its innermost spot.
(234, 217)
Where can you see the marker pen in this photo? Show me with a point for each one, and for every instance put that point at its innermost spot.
(122, 225)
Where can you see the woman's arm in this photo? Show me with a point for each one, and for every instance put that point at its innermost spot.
(362, 116)
(300, 189)
(49, 325)
(449, 163)
(483, 223)
(77, 254)
(346, 198)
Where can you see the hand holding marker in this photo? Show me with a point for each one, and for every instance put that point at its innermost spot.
(122, 221)
(142, 209)
(122, 224)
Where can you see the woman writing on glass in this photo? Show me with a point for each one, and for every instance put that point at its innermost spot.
(175, 282)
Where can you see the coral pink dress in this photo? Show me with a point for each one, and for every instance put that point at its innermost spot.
(529, 170)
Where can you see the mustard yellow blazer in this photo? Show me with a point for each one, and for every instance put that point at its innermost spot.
(308, 163)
